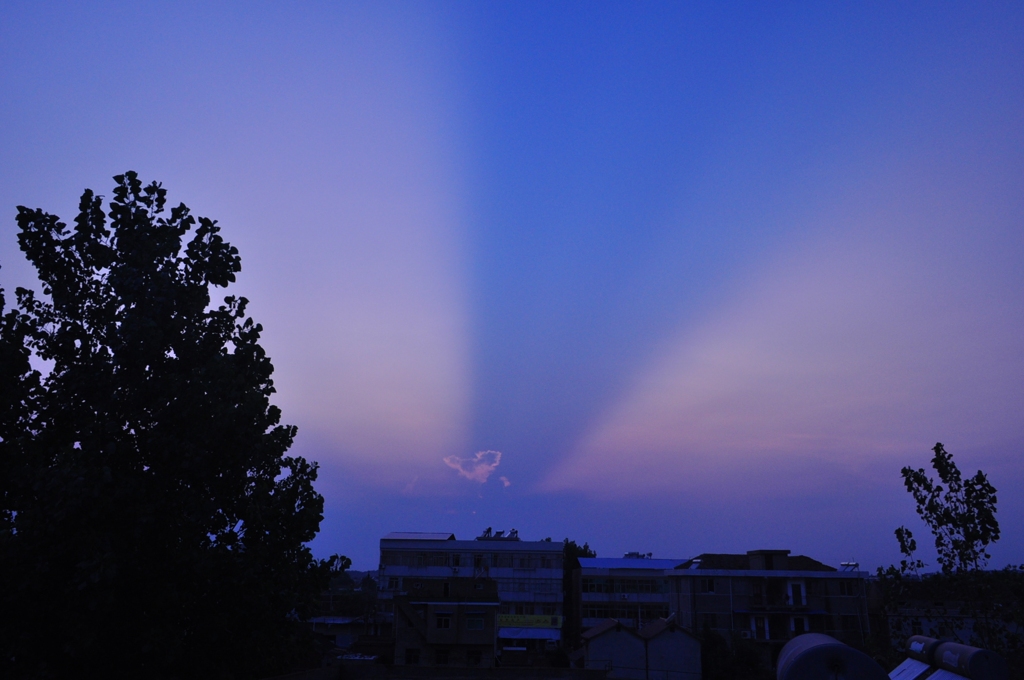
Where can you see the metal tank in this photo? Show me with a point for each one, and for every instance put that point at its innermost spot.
(813, 656)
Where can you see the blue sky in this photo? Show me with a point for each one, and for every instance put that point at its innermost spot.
(706, 277)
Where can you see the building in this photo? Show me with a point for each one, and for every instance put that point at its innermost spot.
(527, 577)
(770, 596)
(765, 596)
(660, 650)
(446, 622)
(632, 590)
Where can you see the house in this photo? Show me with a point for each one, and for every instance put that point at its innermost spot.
(660, 650)
(672, 652)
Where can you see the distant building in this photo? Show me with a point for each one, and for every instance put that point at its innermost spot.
(527, 577)
(770, 595)
(660, 650)
(765, 596)
(633, 590)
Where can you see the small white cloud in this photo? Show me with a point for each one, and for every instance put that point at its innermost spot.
(478, 467)
(504, 480)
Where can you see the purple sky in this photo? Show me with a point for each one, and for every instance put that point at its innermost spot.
(658, 277)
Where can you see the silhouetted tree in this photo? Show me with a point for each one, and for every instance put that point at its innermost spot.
(963, 602)
(571, 554)
(961, 514)
(152, 525)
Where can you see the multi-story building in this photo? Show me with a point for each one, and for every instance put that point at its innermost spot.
(766, 596)
(446, 622)
(527, 577)
(770, 595)
(633, 589)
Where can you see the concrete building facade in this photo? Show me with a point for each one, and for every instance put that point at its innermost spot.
(764, 596)
(771, 596)
(446, 622)
(633, 590)
(527, 577)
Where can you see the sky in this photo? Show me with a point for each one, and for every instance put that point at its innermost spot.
(661, 277)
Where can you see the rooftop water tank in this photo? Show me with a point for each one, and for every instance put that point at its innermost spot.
(813, 656)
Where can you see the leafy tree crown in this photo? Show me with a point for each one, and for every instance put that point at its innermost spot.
(961, 514)
(147, 499)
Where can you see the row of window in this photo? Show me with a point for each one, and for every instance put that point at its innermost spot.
(795, 590)
(529, 609)
(474, 621)
(760, 626)
(395, 583)
(402, 558)
(625, 585)
(443, 657)
(529, 585)
(646, 612)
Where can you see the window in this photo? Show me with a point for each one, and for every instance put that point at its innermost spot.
(550, 610)
(648, 612)
(757, 598)
(447, 589)
(456, 560)
(796, 594)
(478, 561)
(412, 657)
(417, 586)
(444, 620)
(760, 628)
(473, 657)
(441, 657)
(475, 622)
(521, 610)
(847, 587)
(707, 585)
(393, 583)
(478, 586)
(798, 625)
(709, 620)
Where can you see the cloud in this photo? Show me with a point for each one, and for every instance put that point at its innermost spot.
(505, 482)
(477, 468)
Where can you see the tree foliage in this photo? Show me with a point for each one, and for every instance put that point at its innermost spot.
(964, 601)
(571, 554)
(961, 514)
(151, 521)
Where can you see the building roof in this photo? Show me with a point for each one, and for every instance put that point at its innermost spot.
(530, 633)
(656, 628)
(599, 629)
(627, 563)
(418, 536)
(730, 562)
